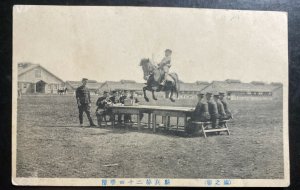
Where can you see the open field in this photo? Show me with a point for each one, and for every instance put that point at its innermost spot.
(51, 144)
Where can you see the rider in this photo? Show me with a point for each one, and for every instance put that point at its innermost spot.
(165, 65)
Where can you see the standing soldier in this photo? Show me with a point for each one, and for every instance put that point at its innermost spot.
(212, 109)
(84, 102)
(165, 65)
(226, 106)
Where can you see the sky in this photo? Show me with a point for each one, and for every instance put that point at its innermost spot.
(107, 43)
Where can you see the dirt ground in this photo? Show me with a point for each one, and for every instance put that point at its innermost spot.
(50, 143)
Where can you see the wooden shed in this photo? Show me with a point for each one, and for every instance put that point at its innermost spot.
(34, 78)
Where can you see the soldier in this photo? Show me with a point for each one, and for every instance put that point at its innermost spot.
(212, 109)
(201, 111)
(165, 65)
(200, 114)
(114, 98)
(102, 104)
(226, 106)
(132, 96)
(124, 96)
(220, 107)
(84, 102)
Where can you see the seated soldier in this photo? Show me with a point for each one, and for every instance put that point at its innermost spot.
(201, 111)
(221, 111)
(200, 114)
(115, 100)
(226, 106)
(114, 97)
(132, 96)
(102, 104)
(212, 109)
(122, 101)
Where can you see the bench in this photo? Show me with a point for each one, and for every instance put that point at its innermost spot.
(222, 126)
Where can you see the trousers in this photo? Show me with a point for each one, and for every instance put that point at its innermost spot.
(87, 109)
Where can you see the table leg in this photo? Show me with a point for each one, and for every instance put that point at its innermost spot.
(149, 120)
(154, 122)
(185, 122)
(168, 121)
(138, 121)
(113, 120)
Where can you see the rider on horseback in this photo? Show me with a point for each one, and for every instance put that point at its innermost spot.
(164, 66)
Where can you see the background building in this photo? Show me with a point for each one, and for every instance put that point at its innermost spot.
(121, 86)
(190, 90)
(33, 78)
(92, 85)
(236, 90)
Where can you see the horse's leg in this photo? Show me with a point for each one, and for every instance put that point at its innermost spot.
(145, 95)
(153, 95)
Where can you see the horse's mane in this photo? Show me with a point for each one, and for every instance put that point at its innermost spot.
(147, 60)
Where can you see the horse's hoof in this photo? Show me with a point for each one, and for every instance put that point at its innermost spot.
(172, 100)
(154, 98)
(147, 99)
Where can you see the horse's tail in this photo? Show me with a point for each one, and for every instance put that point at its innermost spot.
(177, 85)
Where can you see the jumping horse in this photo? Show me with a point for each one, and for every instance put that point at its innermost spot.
(153, 75)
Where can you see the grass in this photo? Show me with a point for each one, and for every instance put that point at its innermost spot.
(51, 144)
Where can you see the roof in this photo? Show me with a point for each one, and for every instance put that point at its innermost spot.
(218, 86)
(192, 87)
(121, 85)
(91, 84)
(26, 67)
(258, 83)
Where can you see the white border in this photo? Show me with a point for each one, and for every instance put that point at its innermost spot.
(174, 182)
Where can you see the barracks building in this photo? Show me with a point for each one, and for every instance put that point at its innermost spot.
(237, 90)
(33, 78)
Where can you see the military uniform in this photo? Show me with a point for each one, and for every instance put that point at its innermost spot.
(227, 111)
(201, 112)
(165, 65)
(102, 108)
(221, 110)
(84, 103)
(213, 112)
(127, 117)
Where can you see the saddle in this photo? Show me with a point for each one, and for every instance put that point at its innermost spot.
(157, 74)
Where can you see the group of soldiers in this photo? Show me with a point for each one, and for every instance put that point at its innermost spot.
(116, 97)
(212, 107)
(84, 103)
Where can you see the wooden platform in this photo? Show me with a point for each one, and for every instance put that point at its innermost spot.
(206, 127)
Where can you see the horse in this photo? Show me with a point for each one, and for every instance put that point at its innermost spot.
(62, 91)
(153, 75)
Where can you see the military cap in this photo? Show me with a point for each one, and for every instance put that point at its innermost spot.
(84, 79)
(168, 50)
(126, 91)
(208, 93)
(216, 95)
(105, 92)
(114, 91)
(222, 93)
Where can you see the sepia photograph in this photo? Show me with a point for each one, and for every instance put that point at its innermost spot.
(149, 96)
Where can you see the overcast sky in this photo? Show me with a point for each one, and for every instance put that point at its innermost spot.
(105, 43)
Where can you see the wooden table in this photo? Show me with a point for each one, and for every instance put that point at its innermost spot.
(165, 111)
